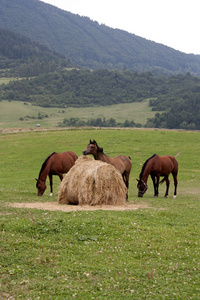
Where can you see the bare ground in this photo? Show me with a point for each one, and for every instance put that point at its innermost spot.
(55, 206)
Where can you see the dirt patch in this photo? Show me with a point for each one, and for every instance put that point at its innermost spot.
(53, 206)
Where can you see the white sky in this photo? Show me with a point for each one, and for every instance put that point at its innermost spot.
(174, 23)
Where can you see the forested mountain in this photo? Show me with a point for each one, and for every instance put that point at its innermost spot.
(19, 56)
(89, 44)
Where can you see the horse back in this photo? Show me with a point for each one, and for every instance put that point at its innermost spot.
(122, 163)
(175, 163)
(62, 162)
(168, 164)
(72, 154)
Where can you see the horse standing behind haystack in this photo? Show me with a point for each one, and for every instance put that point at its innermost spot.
(91, 182)
(157, 166)
(121, 162)
(55, 164)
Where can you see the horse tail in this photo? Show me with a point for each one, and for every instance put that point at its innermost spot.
(177, 154)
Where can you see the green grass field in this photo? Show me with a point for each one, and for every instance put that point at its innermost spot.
(149, 253)
(11, 112)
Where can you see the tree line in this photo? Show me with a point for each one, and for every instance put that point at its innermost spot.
(84, 88)
(98, 122)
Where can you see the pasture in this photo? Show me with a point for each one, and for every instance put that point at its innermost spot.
(149, 253)
(11, 112)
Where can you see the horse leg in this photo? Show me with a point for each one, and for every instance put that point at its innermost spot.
(167, 186)
(175, 184)
(61, 176)
(125, 177)
(157, 184)
(157, 179)
(154, 185)
(51, 184)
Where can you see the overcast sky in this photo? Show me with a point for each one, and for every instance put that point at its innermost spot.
(174, 23)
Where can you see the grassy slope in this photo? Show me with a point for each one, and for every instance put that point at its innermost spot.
(144, 254)
(10, 112)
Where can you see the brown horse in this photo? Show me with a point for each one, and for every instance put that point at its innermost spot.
(55, 164)
(121, 162)
(157, 166)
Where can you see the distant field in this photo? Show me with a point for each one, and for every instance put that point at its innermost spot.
(11, 112)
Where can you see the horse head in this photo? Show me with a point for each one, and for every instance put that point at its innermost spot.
(93, 142)
(41, 187)
(142, 187)
(92, 148)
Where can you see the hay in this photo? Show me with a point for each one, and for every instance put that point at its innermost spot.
(92, 182)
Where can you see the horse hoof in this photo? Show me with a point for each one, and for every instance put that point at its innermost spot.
(155, 196)
(165, 197)
(174, 197)
(51, 194)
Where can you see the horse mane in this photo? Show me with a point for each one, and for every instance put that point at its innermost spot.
(99, 149)
(45, 163)
(144, 166)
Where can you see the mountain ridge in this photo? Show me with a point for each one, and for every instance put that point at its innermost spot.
(90, 44)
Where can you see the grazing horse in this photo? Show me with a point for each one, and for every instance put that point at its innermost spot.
(157, 166)
(55, 164)
(121, 162)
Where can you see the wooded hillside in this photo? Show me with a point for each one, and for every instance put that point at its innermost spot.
(90, 44)
(177, 96)
(19, 56)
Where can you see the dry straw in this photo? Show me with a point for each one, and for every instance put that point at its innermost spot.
(92, 182)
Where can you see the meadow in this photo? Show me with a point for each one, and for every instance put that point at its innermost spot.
(12, 113)
(149, 253)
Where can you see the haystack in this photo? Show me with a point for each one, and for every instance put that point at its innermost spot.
(92, 182)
